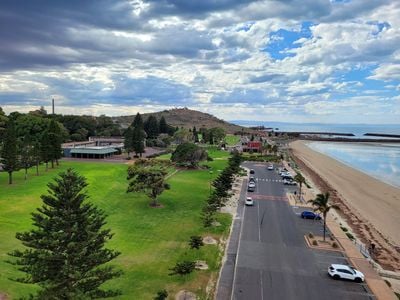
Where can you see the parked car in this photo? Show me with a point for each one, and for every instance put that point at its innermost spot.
(249, 201)
(289, 181)
(310, 215)
(345, 272)
(252, 171)
(251, 188)
(270, 167)
(252, 179)
(252, 184)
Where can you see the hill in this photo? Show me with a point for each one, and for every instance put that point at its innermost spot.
(184, 117)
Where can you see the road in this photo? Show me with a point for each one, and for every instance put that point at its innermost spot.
(273, 261)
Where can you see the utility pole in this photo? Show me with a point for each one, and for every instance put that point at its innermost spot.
(52, 105)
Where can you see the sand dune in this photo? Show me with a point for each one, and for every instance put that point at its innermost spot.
(377, 202)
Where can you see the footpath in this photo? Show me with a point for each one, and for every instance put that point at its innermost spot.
(375, 283)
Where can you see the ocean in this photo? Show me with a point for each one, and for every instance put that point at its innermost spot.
(357, 129)
(379, 160)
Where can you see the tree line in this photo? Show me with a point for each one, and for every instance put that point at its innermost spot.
(27, 140)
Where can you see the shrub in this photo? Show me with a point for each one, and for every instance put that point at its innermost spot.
(335, 245)
(161, 295)
(196, 242)
(315, 243)
(310, 235)
(350, 236)
(183, 268)
(344, 228)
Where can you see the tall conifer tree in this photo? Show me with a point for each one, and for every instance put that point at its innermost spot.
(66, 253)
(9, 151)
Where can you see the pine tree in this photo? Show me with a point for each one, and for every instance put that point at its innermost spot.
(138, 136)
(128, 140)
(163, 125)
(9, 151)
(45, 149)
(66, 253)
(195, 135)
(54, 135)
(138, 121)
(26, 154)
(151, 127)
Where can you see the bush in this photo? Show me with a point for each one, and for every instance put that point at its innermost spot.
(315, 243)
(196, 242)
(161, 295)
(310, 235)
(335, 245)
(183, 268)
(350, 236)
(344, 229)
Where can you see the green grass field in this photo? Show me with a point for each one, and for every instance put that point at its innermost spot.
(231, 139)
(151, 240)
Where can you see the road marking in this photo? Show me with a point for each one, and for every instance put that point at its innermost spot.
(270, 197)
(258, 222)
(237, 253)
(261, 285)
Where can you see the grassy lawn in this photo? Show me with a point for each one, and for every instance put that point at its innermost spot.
(232, 139)
(151, 240)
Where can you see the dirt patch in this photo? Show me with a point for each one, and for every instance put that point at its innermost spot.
(209, 240)
(3, 296)
(317, 242)
(201, 265)
(185, 295)
(385, 252)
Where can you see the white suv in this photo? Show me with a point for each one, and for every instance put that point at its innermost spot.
(345, 272)
(249, 201)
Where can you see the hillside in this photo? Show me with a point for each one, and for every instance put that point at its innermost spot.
(184, 117)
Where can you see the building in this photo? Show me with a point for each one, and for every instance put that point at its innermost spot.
(252, 146)
(95, 148)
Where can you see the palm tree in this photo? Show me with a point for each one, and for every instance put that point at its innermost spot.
(320, 204)
(300, 180)
(274, 149)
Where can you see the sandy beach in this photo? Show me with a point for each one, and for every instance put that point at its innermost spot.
(372, 201)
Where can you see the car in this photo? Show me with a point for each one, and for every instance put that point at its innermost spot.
(251, 188)
(310, 215)
(289, 181)
(337, 271)
(252, 184)
(270, 167)
(249, 201)
(252, 179)
(252, 171)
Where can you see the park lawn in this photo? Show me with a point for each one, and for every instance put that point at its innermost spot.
(151, 240)
(232, 139)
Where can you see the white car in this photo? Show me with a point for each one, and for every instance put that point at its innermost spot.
(252, 184)
(270, 167)
(345, 272)
(249, 201)
(289, 182)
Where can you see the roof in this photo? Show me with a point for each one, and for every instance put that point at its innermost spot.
(94, 150)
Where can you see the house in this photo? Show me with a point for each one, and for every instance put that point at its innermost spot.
(252, 146)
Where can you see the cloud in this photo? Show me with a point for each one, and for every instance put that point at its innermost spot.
(298, 58)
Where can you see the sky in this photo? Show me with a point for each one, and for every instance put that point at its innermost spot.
(319, 61)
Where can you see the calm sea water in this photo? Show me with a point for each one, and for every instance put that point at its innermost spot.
(381, 161)
(357, 129)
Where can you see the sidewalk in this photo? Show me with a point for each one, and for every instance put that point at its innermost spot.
(378, 287)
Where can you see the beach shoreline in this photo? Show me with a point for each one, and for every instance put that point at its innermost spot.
(370, 206)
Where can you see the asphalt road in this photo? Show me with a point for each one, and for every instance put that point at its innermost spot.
(273, 261)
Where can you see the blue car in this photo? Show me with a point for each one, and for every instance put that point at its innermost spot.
(310, 215)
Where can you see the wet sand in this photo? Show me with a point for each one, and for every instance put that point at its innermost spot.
(376, 202)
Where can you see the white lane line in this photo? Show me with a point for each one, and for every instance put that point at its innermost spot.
(258, 221)
(237, 253)
(261, 285)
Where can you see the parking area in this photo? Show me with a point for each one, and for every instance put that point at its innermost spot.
(324, 258)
